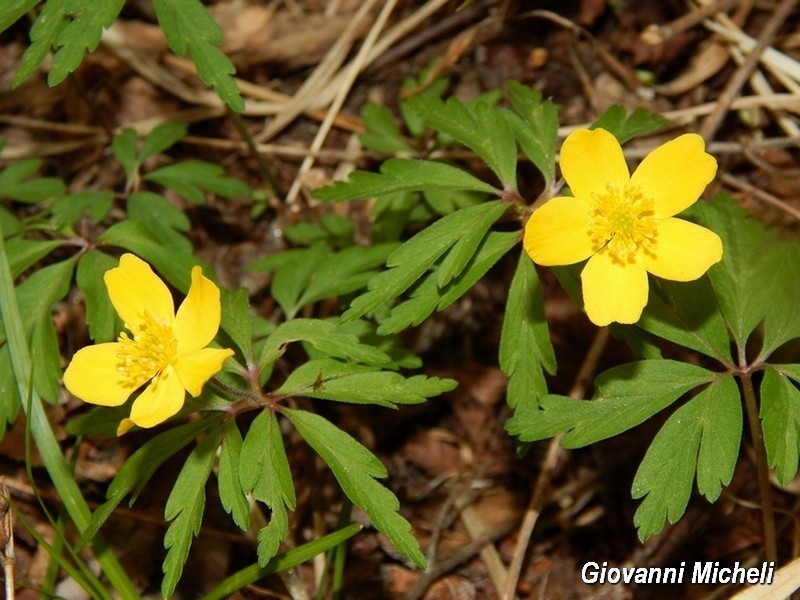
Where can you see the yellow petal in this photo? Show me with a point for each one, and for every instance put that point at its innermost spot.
(92, 376)
(683, 250)
(675, 174)
(198, 317)
(134, 288)
(197, 367)
(159, 401)
(592, 160)
(558, 232)
(613, 291)
(125, 426)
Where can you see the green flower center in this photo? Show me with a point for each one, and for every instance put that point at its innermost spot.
(152, 348)
(622, 222)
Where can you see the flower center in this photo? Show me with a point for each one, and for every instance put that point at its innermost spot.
(152, 348)
(622, 222)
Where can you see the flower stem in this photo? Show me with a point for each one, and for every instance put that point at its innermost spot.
(762, 466)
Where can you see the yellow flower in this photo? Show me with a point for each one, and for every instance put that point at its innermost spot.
(624, 223)
(167, 350)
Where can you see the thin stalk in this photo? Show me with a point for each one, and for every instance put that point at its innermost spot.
(762, 466)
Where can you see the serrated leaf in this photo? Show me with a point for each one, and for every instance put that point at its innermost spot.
(165, 222)
(135, 236)
(189, 27)
(184, 508)
(16, 182)
(23, 253)
(443, 202)
(702, 436)
(687, 313)
(292, 278)
(264, 471)
(68, 209)
(749, 275)
(12, 10)
(780, 419)
(45, 360)
(535, 125)
(42, 290)
(231, 494)
(417, 255)
(625, 127)
(464, 249)
(138, 469)
(325, 337)
(327, 379)
(382, 133)
(525, 348)
(480, 127)
(427, 296)
(626, 396)
(80, 35)
(403, 175)
(191, 178)
(44, 33)
(161, 138)
(356, 468)
(345, 272)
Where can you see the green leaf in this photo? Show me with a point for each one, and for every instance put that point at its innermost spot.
(135, 237)
(328, 379)
(625, 127)
(100, 314)
(703, 436)
(42, 290)
(356, 468)
(345, 272)
(123, 146)
(231, 494)
(161, 138)
(535, 125)
(12, 10)
(16, 183)
(292, 278)
(264, 471)
(190, 28)
(780, 419)
(23, 253)
(191, 178)
(46, 360)
(138, 469)
(382, 133)
(164, 221)
(480, 126)
(417, 255)
(427, 296)
(749, 274)
(525, 348)
(184, 508)
(687, 313)
(237, 321)
(325, 337)
(68, 209)
(403, 175)
(80, 35)
(626, 396)
(44, 33)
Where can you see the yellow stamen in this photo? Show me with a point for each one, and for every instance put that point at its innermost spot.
(622, 222)
(152, 348)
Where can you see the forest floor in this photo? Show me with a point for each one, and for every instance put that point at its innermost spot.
(458, 475)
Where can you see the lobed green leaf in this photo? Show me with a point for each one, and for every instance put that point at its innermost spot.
(628, 126)
(626, 396)
(191, 178)
(403, 175)
(356, 468)
(535, 125)
(780, 419)
(231, 493)
(702, 436)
